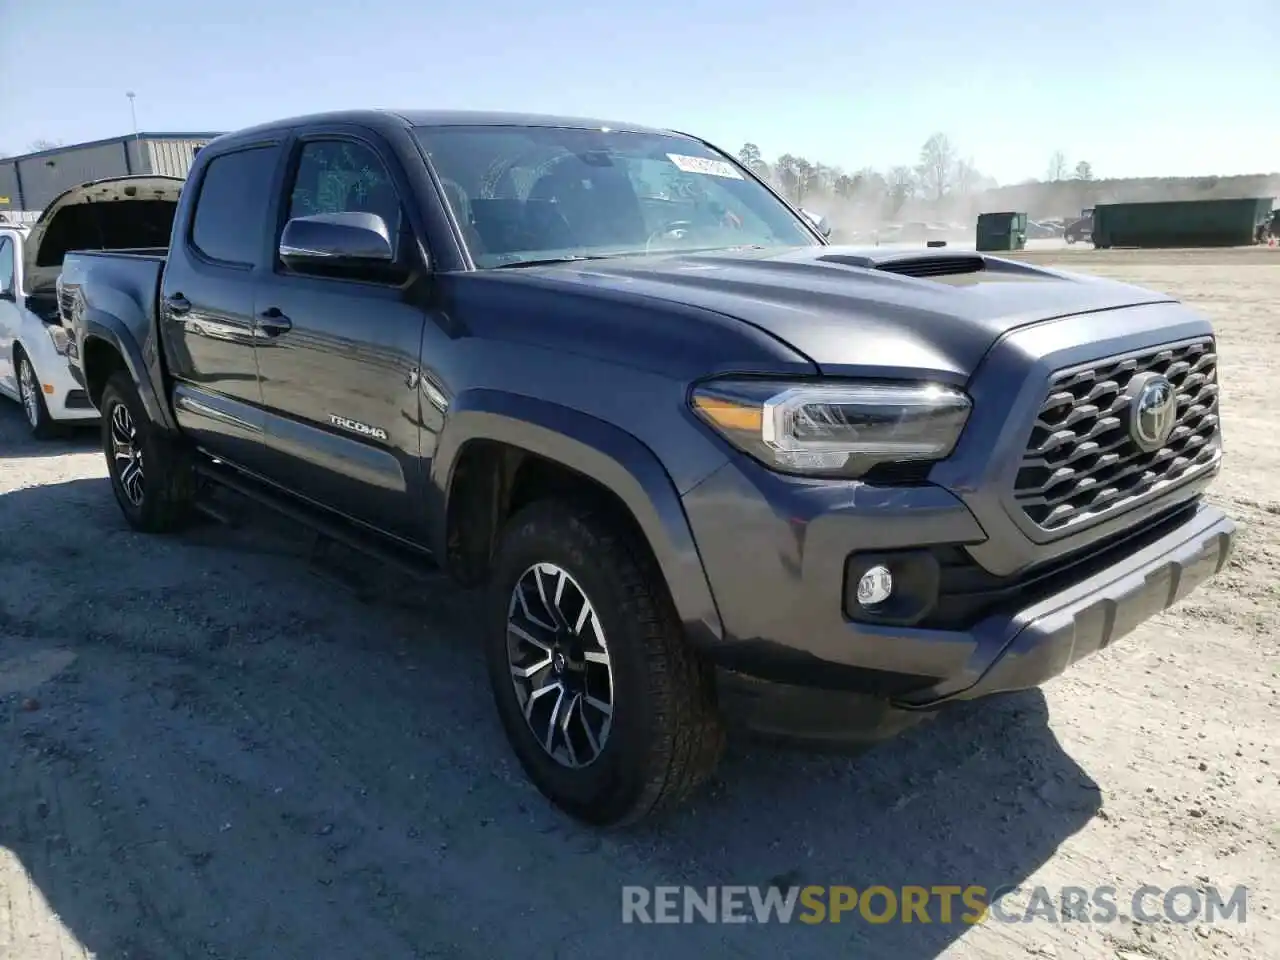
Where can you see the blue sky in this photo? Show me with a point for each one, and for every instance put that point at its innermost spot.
(1136, 87)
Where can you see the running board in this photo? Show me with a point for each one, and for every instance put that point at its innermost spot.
(415, 562)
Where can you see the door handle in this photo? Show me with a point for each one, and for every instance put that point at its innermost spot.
(273, 323)
(177, 304)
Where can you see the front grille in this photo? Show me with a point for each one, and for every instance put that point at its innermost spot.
(1082, 462)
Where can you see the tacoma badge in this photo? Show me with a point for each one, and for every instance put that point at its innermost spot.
(355, 426)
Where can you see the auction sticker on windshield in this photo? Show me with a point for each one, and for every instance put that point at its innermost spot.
(714, 168)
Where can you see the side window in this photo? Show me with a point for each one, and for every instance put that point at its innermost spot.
(340, 176)
(6, 264)
(231, 210)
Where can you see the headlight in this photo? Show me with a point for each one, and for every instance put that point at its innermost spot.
(834, 429)
(61, 339)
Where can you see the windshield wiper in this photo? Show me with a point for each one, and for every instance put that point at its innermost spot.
(552, 260)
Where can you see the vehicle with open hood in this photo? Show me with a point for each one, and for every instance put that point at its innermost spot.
(118, 214)
(706, 466)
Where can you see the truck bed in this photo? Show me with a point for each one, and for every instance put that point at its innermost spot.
(113, 296)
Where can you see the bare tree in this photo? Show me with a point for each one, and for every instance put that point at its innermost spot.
(806, 179)
(902, 187)
(871, 183)
(787, 175)
(966, 177)
(43, 144)
(1084, 170)
(1057, 166)
(937, 164)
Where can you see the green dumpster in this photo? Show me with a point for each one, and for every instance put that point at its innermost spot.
(1002, 231)
(1181, 223)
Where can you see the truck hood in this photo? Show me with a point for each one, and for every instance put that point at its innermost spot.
(852, 311)
(122, 213)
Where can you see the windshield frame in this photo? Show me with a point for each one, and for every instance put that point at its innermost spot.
(420, 134)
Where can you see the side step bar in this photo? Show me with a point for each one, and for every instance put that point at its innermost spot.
(415, 562)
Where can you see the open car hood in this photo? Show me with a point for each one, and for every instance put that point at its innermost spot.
(121, 213)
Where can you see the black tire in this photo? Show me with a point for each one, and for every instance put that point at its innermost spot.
(34, 409)
(168, 480)
(665, 736)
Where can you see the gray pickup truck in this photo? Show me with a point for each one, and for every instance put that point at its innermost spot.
(707, 466)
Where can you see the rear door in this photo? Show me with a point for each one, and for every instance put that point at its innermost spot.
(340, 384)
(207, 299)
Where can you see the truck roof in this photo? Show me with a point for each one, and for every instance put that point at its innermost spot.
(382, 119)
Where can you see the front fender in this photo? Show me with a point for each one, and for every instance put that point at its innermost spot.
(598, 450)
(111, 330)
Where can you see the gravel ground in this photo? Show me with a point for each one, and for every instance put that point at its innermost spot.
(211, 748)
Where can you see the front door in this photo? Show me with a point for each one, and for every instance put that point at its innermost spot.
(339, 365)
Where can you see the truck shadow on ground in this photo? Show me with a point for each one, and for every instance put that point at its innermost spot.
(207, 751)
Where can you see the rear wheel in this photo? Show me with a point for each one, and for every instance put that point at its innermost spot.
(151, 475)
(610, 712)
(43, 426)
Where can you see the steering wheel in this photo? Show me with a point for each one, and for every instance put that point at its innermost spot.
(675, 230)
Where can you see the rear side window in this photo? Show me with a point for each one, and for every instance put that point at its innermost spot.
(231, 210)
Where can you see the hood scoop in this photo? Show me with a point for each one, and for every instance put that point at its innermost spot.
(948, 265)
(912, 264)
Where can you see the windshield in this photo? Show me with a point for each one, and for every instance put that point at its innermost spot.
(524, 194)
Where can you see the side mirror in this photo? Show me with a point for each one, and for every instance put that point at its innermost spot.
(336, 240)
(819, 221)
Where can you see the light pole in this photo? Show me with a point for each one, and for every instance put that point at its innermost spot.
(133, 113)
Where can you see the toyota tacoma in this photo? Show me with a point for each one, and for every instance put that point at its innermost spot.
(706, 466)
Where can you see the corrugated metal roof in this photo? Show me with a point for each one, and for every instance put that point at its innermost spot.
(69, 147)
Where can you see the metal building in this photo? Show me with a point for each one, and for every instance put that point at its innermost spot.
(30, 182)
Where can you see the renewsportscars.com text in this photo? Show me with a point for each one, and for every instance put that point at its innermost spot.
(940, 903)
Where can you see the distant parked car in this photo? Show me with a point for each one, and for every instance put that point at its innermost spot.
(1039, 230)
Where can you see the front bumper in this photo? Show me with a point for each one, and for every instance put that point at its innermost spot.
(64, 395)
(70, 404)
(1044, 639)
(776, 550)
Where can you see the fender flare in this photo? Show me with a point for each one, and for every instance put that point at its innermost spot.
(606, 454)
(100, 325)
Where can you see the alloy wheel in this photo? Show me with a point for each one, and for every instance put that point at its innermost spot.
(28, 387)
(560, 665)
(127, 454)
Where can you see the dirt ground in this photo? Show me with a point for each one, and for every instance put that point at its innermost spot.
(208, 749)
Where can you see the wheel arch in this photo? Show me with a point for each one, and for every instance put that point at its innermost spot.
(499, 451)
(107, 345)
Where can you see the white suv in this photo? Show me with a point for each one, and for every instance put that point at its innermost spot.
(33, 365)
(33, 343)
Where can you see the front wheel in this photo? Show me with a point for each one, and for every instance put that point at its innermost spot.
(151, 475)
(608, 709)
(31, 394)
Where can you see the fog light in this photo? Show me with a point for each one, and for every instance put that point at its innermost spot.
(875, 586)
